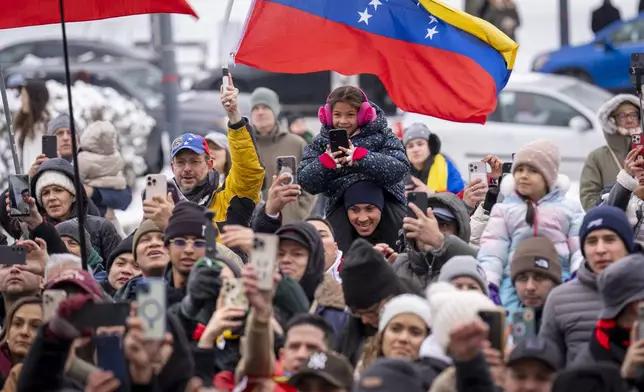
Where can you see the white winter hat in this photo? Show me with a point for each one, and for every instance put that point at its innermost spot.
(450, 306)
(52, 177)
(404, 304)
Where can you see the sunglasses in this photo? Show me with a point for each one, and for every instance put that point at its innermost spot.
(182, 242)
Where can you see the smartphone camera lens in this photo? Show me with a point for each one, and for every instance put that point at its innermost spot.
(257, 243)
(154, 182)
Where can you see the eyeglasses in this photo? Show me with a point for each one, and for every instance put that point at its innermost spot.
(182, 242)
(627, 116)
(180, 164)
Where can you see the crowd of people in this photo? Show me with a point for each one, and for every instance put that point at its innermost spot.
(324, 277)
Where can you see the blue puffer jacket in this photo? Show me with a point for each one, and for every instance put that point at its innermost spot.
(385, 164)
(329, 303)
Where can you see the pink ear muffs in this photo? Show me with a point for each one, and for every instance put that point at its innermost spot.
(366, 114)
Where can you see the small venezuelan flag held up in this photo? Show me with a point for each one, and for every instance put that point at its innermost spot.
(431, 58)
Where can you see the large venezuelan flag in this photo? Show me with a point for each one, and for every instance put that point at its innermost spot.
(432, 58)
(22, 13)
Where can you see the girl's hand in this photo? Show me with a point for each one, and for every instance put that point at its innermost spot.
(336, 156)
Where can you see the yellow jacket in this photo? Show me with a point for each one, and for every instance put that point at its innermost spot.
(234, 202)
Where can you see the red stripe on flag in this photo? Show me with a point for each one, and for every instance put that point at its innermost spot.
(22, 13)
(419, 78)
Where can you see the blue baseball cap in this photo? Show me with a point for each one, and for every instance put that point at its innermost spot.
(192, 142)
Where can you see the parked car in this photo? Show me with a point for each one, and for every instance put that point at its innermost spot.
(300, 93)
(604, 61)
(532, 106)
(201, 112)
(78, 49)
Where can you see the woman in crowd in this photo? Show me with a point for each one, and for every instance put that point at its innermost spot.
(30, 124)
(374, 155)
(21, 327)
(431, 171)
(404, 324)
(219, 154)
(55, 198)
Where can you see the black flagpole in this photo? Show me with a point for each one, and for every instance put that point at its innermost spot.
(80, 193)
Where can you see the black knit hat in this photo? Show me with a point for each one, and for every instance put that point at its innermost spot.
(364, 192)
(366, 276)
(187, 219)
(590, 378)
(125, 246)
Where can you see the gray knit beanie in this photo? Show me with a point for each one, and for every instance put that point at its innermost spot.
(466, 266)
(62, 121)
(70, 228)
(268, 97)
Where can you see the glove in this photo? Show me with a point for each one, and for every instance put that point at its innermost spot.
(490, 198)
(60, 326)
(494, 294)
(204, 284)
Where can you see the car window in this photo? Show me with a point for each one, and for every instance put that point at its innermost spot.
(534, 109)
(15, 54)
(629, 33)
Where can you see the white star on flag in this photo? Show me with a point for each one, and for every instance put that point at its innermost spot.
(364, 16)
(375, 4)
(186, 143)
(432, 19)
(431, 32)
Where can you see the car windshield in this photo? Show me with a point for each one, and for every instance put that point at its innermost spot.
(147, 82)
(590, 96)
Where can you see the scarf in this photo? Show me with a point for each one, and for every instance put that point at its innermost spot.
(609, 342)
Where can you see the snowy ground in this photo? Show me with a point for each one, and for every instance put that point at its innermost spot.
(131, 217)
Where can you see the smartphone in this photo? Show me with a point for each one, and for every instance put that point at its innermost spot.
(50, 301)
(233, 293)
(419, 199)
(156, 185)
(506, 168)
(50, 146)
(640, 322)
(210, 235)
(263, 257)
(12, 254)
(101, 314)
(338, 138)
(19, 194)
(495, 319)
(110, 357)
(287, 166)
(151, 303)
(523, 325)
(478, 170)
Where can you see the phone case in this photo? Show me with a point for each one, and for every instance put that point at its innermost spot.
(640, 322)
(263, 257)
(287, 165)
(156, 185)
(50, 301)
(419, 199)
(110, 357)
(495, 319)
(523, 325)
(17, 185)
(101, 314)
(12, 254)
(338, 138)
(151, 307)
(234, 294)
(478, 170)
(50, 146)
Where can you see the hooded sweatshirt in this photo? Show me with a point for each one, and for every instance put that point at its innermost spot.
(604, 163)
(311, 240)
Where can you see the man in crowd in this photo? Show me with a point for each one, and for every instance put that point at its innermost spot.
(274, 141)
(571, 309)
(535, 271)
(324, 371)
(616, 338)
(193, 169)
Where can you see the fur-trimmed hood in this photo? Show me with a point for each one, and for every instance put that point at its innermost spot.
(329, 294)
(508, 185)
(606, 110)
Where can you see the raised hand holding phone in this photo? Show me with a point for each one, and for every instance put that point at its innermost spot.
(229, 96)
